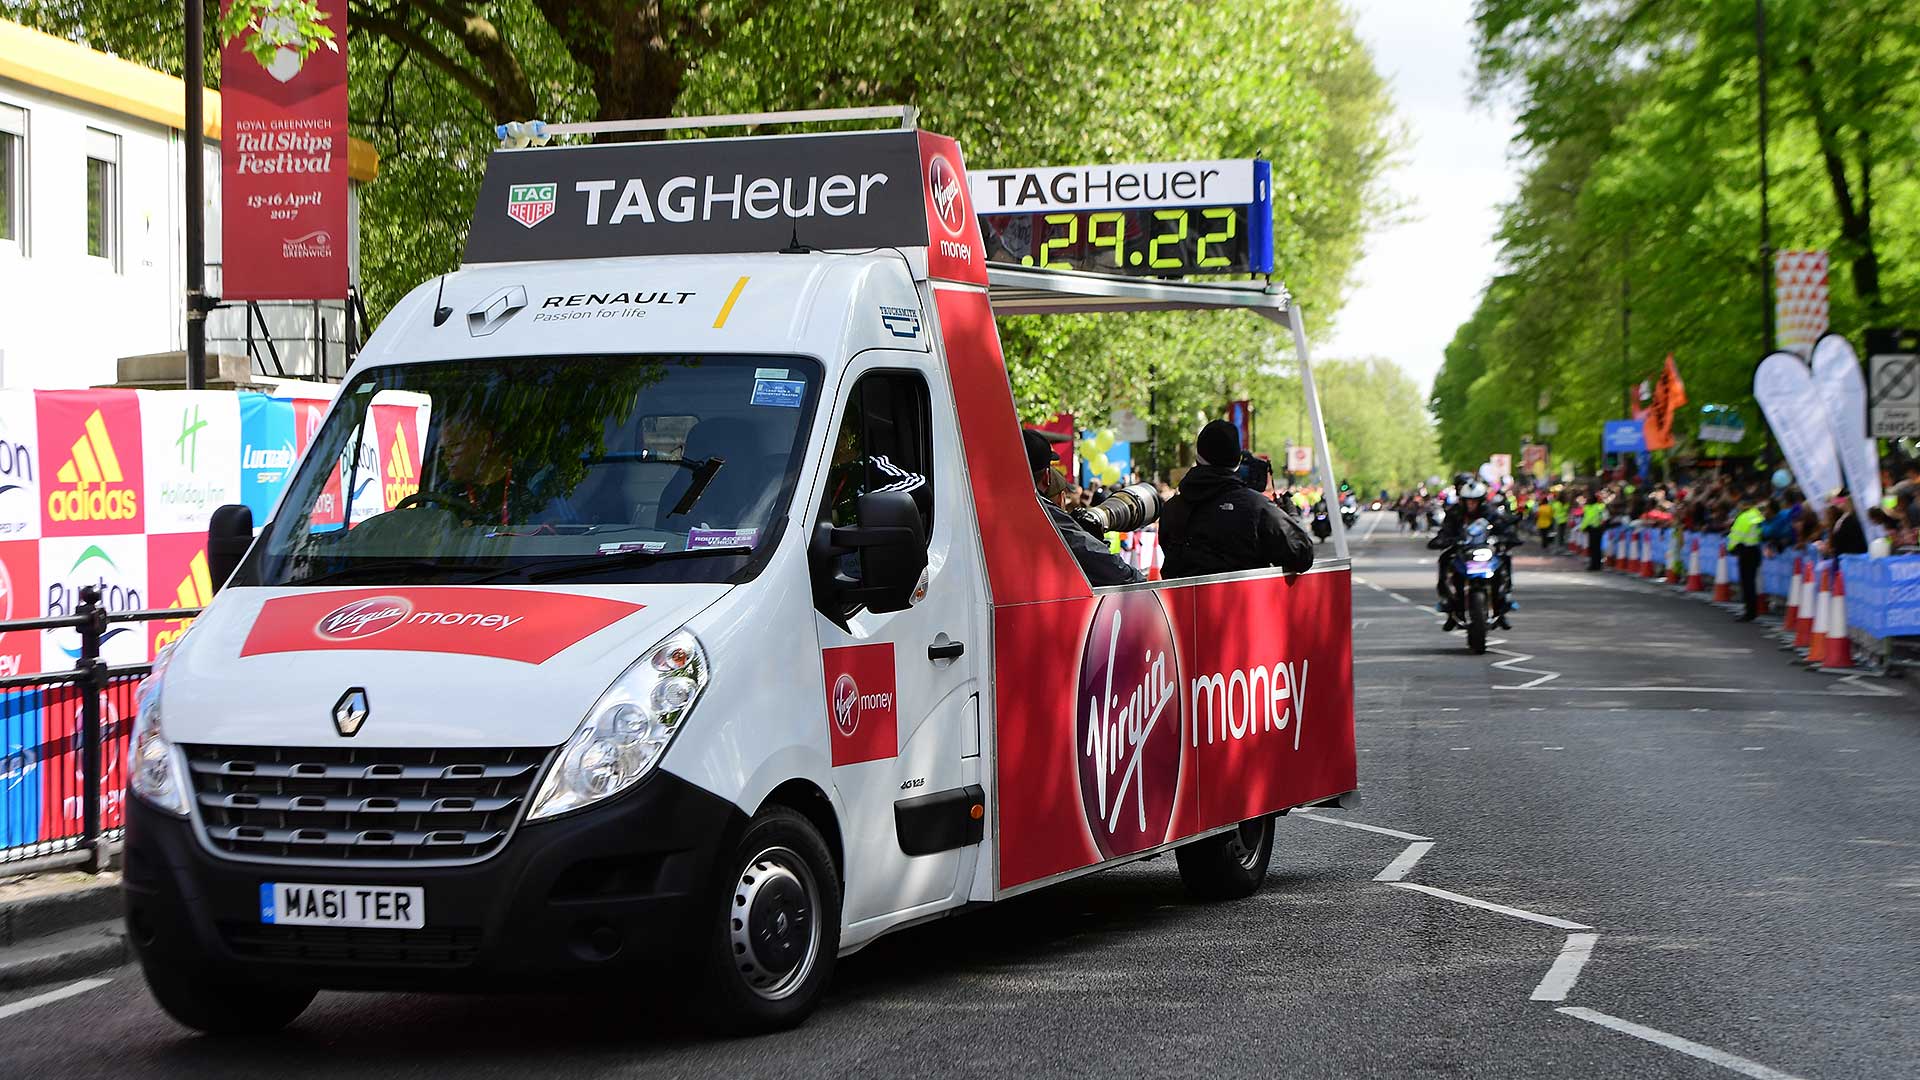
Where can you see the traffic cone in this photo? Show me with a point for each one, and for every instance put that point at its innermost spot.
(1792, 618)
(1809, 601)
(1694, 583)
(1817, 648)
(1650, 557)
(1839, 654)
(1722, 588)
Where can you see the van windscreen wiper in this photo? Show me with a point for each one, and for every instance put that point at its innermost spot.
(407, 571)
(616, 560)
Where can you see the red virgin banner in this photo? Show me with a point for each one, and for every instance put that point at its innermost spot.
(283, 150)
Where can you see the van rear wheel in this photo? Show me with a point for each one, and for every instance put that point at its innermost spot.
(771, 949)
(1230, 866)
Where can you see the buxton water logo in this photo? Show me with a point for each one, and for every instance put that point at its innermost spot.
(91, 476)
(1128, 719)
(63, 595)
(363, 618)
(530, 204)
(402, 478)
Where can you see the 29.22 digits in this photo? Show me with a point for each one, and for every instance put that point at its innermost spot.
(1156, 242)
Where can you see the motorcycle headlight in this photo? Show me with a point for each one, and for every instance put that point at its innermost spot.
(1481, 554)
(153, 766)
(628, 728)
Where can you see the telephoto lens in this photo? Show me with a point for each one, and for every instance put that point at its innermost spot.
(1132, 507)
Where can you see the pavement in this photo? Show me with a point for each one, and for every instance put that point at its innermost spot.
(1632, 840)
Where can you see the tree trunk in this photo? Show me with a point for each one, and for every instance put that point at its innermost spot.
(627, 50)
(1856, 219)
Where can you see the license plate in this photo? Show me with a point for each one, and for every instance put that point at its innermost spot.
(1480, 568)
(384, 907)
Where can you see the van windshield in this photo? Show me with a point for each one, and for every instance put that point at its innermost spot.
(516, 470)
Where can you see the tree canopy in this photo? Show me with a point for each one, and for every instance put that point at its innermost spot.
(1635, 231)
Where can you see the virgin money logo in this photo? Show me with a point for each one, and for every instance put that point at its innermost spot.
(1127, 724)
(846, 704)
(949, 194)
(363, 618)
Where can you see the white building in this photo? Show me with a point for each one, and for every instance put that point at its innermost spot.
(92, 234)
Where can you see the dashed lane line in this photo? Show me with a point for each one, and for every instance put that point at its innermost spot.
(51, 996)
(1565, 971)
(1677, 1044)
(1401, 866)
(1488, 905)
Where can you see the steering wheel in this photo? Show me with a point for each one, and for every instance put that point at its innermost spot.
(454, 503)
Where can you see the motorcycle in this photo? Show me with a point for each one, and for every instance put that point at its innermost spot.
(1322, 524)
(1475, 566)
(1349, 512)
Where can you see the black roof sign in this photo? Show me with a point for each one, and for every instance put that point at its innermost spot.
(700, 196)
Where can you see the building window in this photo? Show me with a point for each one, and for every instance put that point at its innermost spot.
(103, 196)
(13, 174)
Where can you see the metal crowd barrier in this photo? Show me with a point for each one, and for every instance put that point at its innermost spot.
(64, 736)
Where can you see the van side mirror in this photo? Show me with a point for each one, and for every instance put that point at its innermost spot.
(229, 535)
(891, 542)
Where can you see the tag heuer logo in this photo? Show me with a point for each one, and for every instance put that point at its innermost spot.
(530, 204)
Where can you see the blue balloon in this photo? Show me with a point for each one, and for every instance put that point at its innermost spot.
(1781, 479)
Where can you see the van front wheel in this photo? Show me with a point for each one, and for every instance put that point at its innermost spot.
(770, 954)
(1230, 866)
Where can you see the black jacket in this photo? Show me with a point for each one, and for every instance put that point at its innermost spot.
(1454, 526)
(1217, 525)
(1848, 537)
(1101, 566)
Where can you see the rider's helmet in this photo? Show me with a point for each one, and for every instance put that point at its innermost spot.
(1472, 493)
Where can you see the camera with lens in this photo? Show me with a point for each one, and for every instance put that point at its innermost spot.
(1132, 507)
(1253, 471)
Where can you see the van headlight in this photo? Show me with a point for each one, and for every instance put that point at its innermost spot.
(627, 729)
(153, 767)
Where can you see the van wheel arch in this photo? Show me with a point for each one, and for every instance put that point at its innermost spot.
(805, 798)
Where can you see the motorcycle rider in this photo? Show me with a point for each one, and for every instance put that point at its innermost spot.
(1470, 505)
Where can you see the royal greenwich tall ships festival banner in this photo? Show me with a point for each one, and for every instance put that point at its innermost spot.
(283, 153)
(114, 489)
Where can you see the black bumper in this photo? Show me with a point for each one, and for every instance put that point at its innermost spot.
(608, 893)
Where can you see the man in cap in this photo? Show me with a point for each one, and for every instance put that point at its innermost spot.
(1218, 524)
(1101, 566)
(1847, 537)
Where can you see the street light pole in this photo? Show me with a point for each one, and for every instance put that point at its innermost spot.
(1766, 239)
(196, 150)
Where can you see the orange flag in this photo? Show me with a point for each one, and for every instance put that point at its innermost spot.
(1668, 397)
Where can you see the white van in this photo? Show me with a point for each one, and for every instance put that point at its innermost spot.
(666, 596)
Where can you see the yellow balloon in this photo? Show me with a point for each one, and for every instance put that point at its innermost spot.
(1098, 464)
(1103, 442)
(1111, 476)
(1085, 448)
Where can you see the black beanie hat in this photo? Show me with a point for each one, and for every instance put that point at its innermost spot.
(1040, 453)
(1219, 443)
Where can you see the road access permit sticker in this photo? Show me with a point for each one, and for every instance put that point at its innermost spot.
(721, 538)
(379, 907)
(783, 393)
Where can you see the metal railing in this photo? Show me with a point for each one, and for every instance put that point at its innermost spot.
(64, 736)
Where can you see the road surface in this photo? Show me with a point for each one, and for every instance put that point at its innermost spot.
(1633, 840)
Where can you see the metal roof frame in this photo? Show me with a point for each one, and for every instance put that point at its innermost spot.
(1021, 290)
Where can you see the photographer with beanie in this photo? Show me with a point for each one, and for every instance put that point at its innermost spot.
(1217, 524)
(1101, 566)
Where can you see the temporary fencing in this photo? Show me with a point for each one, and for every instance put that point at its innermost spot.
(1847, 615)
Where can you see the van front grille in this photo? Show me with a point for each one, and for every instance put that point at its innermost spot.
(445, 947)
(360, 805)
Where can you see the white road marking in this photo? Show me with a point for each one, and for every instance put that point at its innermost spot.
(1565, 971)
(1513, 665)
(1753, 748)
(1450, 708)
(1363, 826)
(51, 996)
(1677, 1044)
(1400, 598)
(1403, 864)
(1488, 905)
(1875, 692)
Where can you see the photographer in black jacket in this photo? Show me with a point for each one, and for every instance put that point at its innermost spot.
(1217, 524)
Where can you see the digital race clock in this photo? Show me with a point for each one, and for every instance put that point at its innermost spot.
(1169, 219)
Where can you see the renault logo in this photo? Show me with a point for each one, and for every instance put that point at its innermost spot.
(350, 712)
(492, 313)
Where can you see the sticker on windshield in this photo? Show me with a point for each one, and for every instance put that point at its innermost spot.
(625, 546)
(770, 373)
(721, 538)
(783, 393)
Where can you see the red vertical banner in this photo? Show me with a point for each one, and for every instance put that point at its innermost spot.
(283, 150)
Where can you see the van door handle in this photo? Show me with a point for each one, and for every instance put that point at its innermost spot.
(952, 650)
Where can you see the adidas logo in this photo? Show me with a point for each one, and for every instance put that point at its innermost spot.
(195, 591)
(88, 473)
(402, 479)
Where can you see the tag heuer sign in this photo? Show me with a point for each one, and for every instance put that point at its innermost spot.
(846, 190)
(530, 204)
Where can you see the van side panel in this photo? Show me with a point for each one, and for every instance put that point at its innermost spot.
(1025, 559)
(1145, 715)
